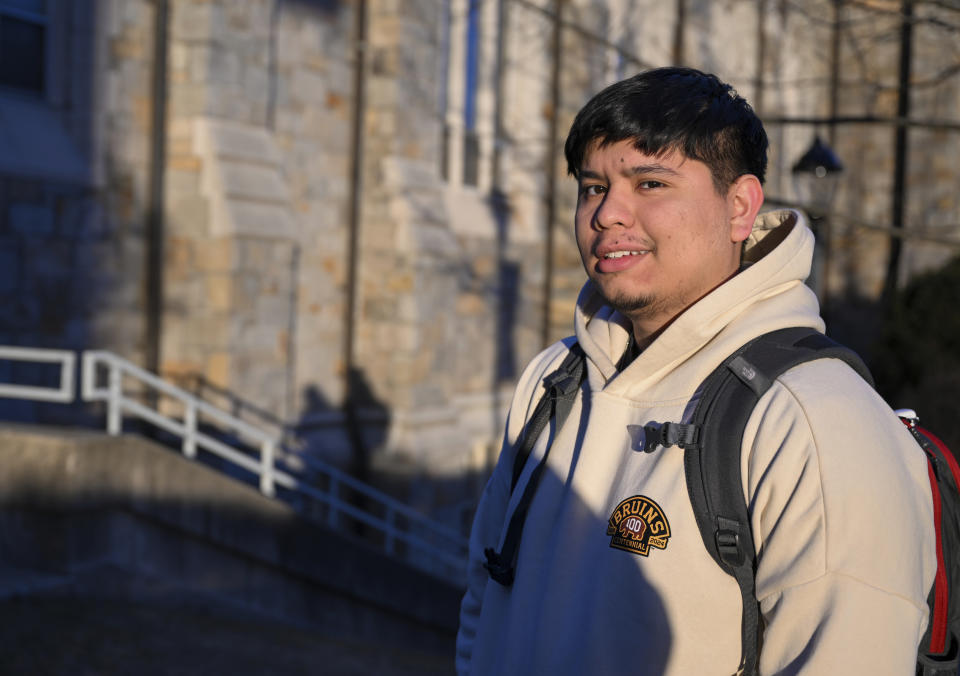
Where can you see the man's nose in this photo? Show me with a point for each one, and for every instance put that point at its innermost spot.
(614, 210)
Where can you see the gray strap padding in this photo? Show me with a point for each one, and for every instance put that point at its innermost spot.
(562, 387)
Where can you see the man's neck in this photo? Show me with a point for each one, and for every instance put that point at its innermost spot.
(644, 335)
(632, 352)
(646, 328)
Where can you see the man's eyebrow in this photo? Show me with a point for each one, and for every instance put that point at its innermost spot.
(652, 169)
(655, 169)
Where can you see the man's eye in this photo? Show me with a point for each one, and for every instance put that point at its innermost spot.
(648, 185)
(592, 190)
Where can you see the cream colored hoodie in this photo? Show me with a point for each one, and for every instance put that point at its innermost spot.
(837, 490)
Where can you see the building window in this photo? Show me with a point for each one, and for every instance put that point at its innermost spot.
(471, 142)
(444, 91)
(467, 66)
(23, 38)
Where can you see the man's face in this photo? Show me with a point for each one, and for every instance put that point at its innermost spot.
(654, 234)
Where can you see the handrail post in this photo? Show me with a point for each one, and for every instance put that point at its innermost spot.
(190, 429)
(114, 418)
(67, 374)
(266, 468)
(88, 375)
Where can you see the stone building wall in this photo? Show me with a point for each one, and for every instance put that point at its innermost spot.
(934, 203)
(450, 275)
(451, 262)
(257, 194)
(438, 311)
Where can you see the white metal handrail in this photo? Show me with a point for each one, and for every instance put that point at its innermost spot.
(192, 439)
(63, 393)
(340, 477)
(118, 404)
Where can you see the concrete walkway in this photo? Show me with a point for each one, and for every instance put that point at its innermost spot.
(121, 557)
(74, 636)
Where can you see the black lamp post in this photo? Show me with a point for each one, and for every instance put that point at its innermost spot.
(815, 177)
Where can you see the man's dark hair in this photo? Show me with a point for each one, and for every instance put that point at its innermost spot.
(674, 108)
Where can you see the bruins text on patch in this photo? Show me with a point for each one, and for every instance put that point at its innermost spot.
(637, 524)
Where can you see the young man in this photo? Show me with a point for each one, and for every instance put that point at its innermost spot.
(682, 272)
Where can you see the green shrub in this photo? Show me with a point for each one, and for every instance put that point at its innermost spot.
(917, 360)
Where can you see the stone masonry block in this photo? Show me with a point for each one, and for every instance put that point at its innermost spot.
(189, 98)
(257, 220)
(241, 162)
(253, 182)
(406, 173)
(179, 263)
(179, 55)
(191, 20)
(238, 16)
(126, 47)
(377, 309)
(472, 304)
(309, 86)
(273, 312)
(220, 292)
(187, 163)
(247, 289)
(217, 255)
(189, 215)
(255, 253)
(228, 99)
(256, 85)
(218, 369)
(229, 140)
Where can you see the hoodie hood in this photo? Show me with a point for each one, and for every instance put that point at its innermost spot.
(767, 294)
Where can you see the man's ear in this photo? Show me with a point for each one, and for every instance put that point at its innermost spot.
(744, 198)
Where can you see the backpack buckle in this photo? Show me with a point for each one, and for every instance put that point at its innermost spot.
(908, 417)
(669, 434)
(727, 538)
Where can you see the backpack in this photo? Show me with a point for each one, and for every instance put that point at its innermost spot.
(712, 443)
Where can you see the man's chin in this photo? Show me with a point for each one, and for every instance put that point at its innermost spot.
(630, 306)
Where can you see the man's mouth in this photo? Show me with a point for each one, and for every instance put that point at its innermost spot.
(612, 260)
(621, 254)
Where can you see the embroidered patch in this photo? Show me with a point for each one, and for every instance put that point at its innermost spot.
(637, 524)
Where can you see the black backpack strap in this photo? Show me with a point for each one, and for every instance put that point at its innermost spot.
(561, 389)
(712, 459)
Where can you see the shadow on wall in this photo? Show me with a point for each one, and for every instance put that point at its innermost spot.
(344, 436)
(322, 6)
(507, 295)
(72, 213)
(347, 436)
